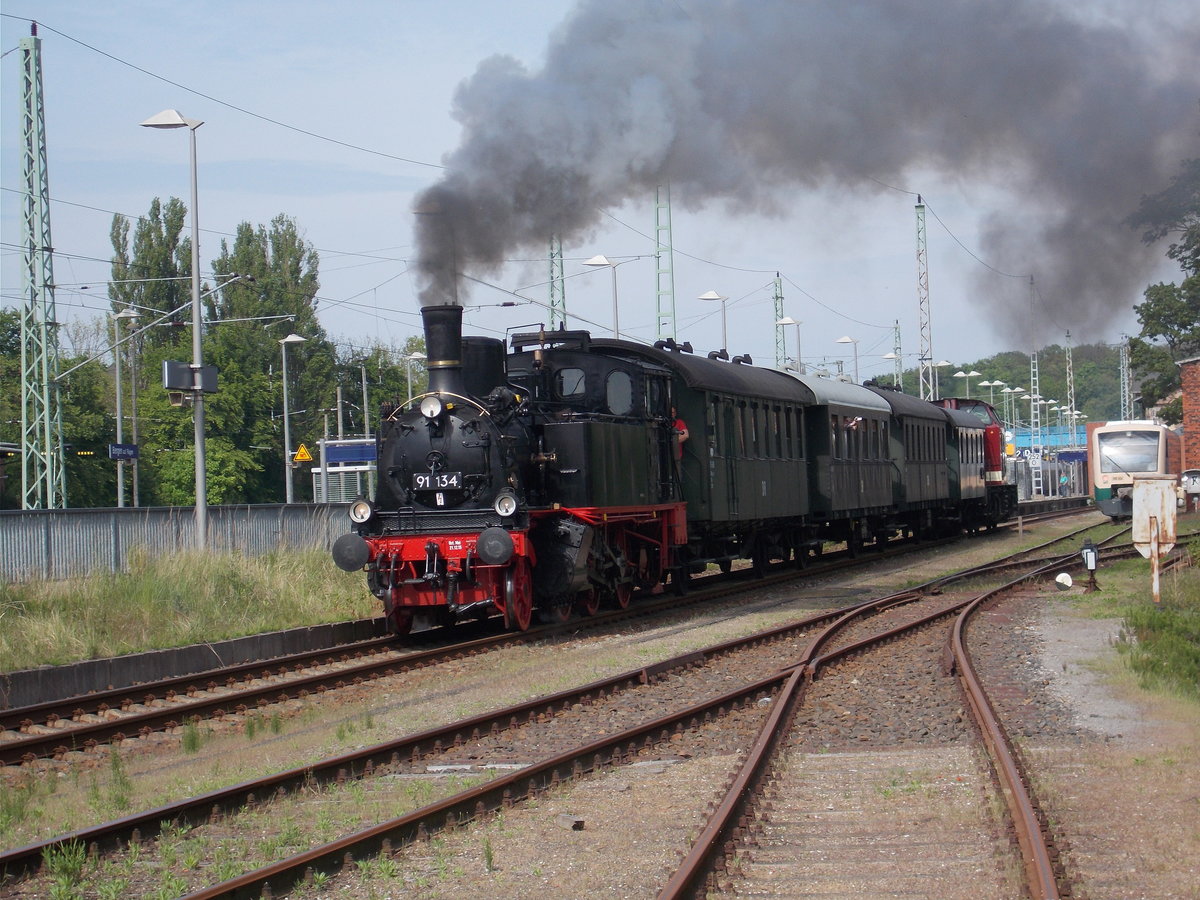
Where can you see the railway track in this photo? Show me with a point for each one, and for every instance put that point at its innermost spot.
(744, 815)
(56, 729)
(751, 694)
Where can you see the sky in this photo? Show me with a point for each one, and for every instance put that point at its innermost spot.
(795, 137)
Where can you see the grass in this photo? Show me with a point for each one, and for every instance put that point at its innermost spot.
(1161, 642)
(172, 601)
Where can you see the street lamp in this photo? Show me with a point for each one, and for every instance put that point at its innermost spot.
(967, 375)
(171, 118)
(1014, 411)
(897, 375)
(713, 295)
(788, 320)
(991, 386)
(846, 339)
(127, 314)
(937, 377)
(289, 496)
(412, 357)
(597, 262)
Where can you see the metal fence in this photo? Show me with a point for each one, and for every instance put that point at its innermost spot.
(68, 543)
(1059, 479)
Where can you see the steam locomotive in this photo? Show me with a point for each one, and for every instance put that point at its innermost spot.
(551, 479)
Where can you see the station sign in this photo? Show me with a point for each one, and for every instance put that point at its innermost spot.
(123, 451)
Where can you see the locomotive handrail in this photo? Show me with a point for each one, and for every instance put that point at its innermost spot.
(416, 397)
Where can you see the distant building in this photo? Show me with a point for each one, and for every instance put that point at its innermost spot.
(1189, 373)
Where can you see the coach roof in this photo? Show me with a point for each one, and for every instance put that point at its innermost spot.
(702, 373)
(906, 405)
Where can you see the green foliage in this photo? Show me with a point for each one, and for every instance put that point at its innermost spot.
(1174, 211)
(1166, 649)
(1096, 369)
(65, 861)
(1170, 315)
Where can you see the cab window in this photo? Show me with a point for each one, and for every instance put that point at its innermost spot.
(619, 393)
(569, 383)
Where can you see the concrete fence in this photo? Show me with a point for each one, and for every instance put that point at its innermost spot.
(69, 543)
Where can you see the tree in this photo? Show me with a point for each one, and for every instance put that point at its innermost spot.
(10, 407)
(1170, 315)
(279, 278)
(1175, 210)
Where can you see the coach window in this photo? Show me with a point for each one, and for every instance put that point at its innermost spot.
(569, 383)
(619, 393)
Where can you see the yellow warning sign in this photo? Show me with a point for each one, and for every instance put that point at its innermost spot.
(302, 455)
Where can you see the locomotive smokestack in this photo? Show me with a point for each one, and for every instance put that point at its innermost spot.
(443, 347)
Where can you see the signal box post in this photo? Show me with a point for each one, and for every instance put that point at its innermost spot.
(1154, 515)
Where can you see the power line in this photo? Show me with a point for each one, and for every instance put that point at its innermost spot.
(226, 104)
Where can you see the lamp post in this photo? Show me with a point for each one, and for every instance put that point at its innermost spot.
(846, 339)
(991, 386)
(171, 118)
(897, 378)
(788, 320)
(713, 295)
(410, 359)
(128, 314)
(1014, 411)
(597, 262)
(289, 495)
(937, 377)
(967, 375)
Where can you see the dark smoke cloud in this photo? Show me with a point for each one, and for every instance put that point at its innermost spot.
(1075, 118)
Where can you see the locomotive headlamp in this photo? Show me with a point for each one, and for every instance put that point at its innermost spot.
(431, 407)
(361, 511)
(506, 503)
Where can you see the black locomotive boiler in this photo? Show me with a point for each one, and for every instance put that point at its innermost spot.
(549, 477)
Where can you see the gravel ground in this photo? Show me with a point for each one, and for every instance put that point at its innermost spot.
(1114, 763)
(1111, 763)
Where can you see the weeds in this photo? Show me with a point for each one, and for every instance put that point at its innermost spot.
(151, 607)
(1161, 642)
(20, 802)
(193, 736)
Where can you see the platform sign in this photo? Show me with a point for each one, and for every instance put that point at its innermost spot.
(354, 450)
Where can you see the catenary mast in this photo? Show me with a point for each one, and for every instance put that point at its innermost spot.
(43, 471)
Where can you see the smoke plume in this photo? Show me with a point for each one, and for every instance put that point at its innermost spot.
(1075, 110)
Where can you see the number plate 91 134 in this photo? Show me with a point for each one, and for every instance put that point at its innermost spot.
(437, 481)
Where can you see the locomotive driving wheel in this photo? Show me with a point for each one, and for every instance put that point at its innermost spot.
(558, 613)
(623, 594)
(518, 596)
(588, 601)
